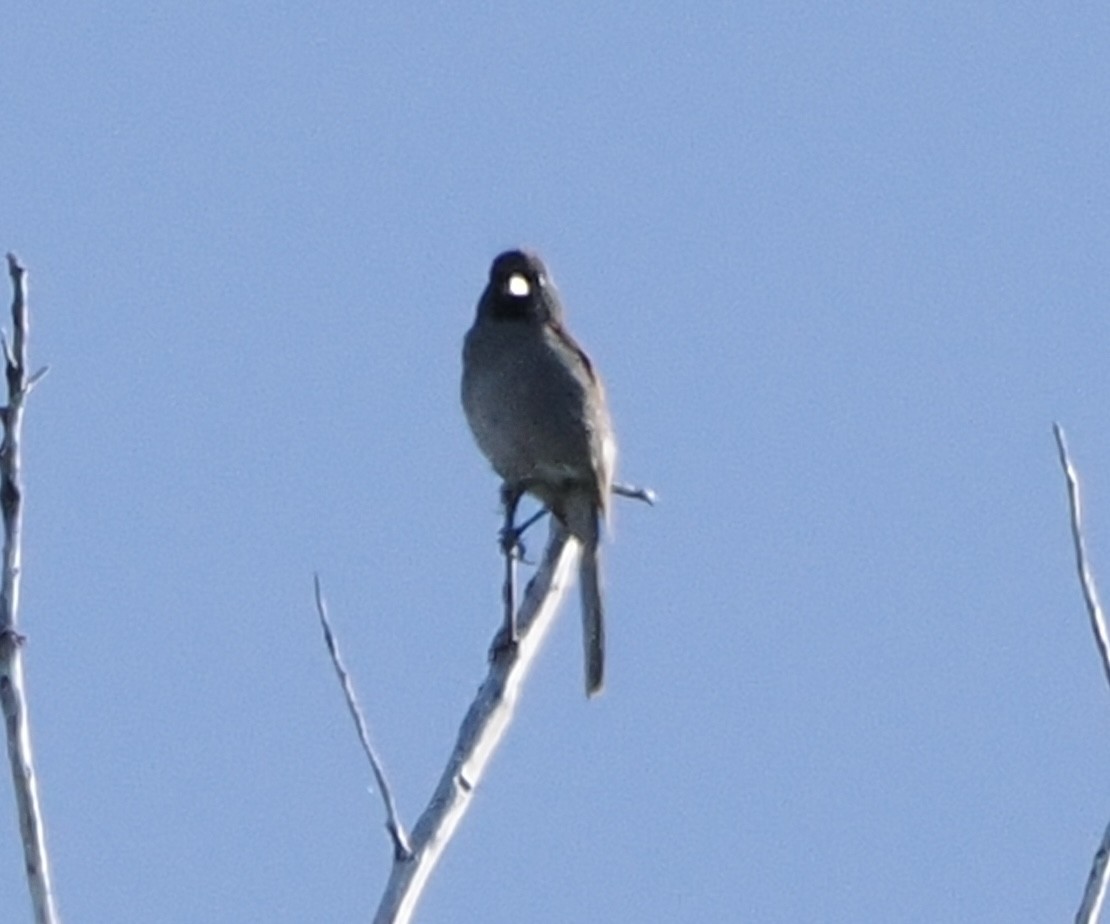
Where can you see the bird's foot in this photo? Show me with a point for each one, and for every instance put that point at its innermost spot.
(504, 643)
(510, 537)
(511, 546)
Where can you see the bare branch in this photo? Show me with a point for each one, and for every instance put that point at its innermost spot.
(1091, 907)
(35, 378)
(393, 823)
(13, 697)
(481, 731)
(512, 653)
(1086, 579)
(647, 495)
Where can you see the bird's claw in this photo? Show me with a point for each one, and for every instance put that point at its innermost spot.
(511, 545)
(503, 644)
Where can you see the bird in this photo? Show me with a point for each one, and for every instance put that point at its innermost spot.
(538, 412)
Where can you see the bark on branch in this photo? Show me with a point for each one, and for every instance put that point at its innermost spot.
(13, 694)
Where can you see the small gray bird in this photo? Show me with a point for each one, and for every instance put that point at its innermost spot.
(537, 409)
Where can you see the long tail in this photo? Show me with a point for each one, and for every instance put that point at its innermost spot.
(582, 517)
(593, 617)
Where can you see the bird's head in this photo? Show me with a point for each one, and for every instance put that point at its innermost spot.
(520, 289)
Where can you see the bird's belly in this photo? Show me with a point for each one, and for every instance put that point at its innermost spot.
(522, 437)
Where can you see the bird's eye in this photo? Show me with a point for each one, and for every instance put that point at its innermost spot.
(517, 285)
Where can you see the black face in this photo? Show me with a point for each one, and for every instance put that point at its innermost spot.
(519, 288)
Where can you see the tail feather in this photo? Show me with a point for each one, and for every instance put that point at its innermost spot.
(593, 618)
(582, 515)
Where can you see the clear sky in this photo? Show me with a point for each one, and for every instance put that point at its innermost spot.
(840, 265)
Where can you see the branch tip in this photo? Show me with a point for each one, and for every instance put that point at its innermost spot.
(393, 824)
(1082, 565)
(36, 378)
(646, 495)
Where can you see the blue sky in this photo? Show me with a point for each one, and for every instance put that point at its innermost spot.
(841, 268)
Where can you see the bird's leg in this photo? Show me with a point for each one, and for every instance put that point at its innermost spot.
(521, 551)
(509, 536)
(510, 541)
(511, 533)
(513, 550)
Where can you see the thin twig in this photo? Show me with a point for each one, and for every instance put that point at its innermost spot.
(1093, 895)
(1091, 906)
(647, 495)
(1086, 579)
(481, 731)
(393, 825)
(13, 695)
